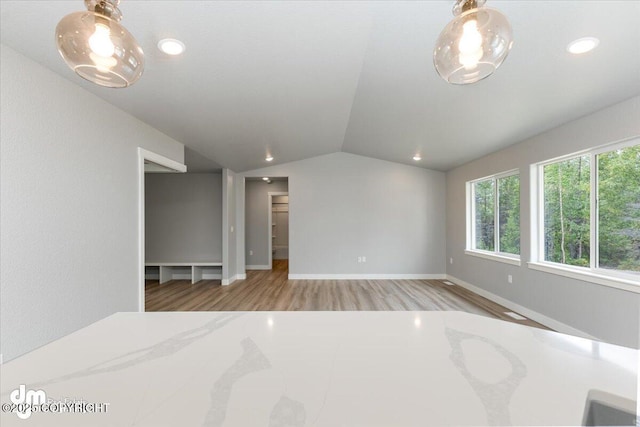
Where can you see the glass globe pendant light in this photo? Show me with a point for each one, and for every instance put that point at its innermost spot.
(474, 44)
(97, 47)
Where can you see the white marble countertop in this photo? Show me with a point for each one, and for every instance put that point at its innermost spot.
(318, 369)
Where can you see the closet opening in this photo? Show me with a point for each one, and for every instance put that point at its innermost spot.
(279, 230)
(267, 223)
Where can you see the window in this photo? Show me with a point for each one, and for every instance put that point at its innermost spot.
(494, 215)
(566, 211)
(509, 214)
(619, 209)
(589, 214)
(484, 214)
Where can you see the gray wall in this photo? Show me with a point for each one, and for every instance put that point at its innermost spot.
(342, 206)
(256, 221)
(69, 212)
(604, 312)
(183, 217)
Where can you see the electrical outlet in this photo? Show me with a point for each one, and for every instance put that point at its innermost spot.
(451, 260)
(250, 252)
(510, 278)
(364, 259)
(359, 259)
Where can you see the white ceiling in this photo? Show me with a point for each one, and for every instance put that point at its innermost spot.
(300, 79)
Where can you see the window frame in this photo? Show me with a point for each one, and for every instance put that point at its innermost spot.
(593, 273)
(495, 255)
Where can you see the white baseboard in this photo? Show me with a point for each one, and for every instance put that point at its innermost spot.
(227, 282)
(366, 276)
(257, 267)
(533, 315)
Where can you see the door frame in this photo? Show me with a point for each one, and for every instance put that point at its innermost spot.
(270, 223)
(172, 167)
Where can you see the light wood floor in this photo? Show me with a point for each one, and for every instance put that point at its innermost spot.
(271, 291)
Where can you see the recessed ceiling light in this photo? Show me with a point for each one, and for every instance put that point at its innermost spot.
(269, 158)
(171, 46)
(265, 178)
(583, 45)
(417, 157)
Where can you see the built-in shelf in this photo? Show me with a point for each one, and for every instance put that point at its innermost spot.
(196, 271)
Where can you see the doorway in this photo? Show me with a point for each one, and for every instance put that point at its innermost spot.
(148, 162)
(266, 223)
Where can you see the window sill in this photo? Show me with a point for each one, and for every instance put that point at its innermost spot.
(494, 256)
(587, 276)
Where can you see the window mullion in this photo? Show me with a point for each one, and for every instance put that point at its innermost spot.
(593, 213)
(496, 216)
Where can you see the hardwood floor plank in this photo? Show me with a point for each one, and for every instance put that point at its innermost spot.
(266, 290)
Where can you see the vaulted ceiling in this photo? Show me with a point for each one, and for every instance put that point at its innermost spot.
(301, 79)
